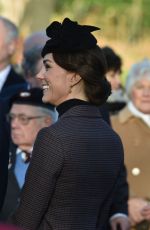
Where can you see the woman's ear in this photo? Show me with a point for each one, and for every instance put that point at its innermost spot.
(75, 79)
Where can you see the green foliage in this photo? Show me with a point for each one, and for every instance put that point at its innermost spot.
(125, 19)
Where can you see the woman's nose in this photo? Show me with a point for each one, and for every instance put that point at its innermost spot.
(39, 75)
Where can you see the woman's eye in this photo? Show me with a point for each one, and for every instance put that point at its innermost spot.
(47, 66)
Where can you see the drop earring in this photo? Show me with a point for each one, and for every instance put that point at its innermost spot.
(70, 89)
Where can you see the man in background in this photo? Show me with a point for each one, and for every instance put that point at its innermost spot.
(10, 83)
(10, 80)
(28, 114)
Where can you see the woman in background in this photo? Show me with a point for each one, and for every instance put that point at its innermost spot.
(133, 126)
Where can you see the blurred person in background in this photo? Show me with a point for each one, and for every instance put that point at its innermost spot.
(32, 60)
(10, 80)
(28, 114)
(133, 126)
(117, 99)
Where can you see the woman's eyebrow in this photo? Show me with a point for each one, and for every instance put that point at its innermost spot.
(46, 60)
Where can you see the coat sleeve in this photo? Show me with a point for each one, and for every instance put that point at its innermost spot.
(44, 169)
(120, 201)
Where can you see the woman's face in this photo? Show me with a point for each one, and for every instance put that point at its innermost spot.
(140, 95)
(55, 81)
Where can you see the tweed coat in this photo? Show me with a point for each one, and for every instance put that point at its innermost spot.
(73, 174)
(135, 135)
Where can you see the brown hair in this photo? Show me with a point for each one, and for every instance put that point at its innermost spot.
(91, 65)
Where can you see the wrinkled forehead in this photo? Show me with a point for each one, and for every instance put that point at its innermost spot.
(145, 82)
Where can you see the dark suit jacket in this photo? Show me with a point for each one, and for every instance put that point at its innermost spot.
(13, 84)
(4, 151)
(74, 174)
(13, 190)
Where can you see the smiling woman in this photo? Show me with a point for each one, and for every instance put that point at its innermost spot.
(77, 165)
(56, 81)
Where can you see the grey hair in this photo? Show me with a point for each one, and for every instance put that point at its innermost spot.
(138, 71)
(12, 30)
(48, 112)
(33, 46)
(30, 62)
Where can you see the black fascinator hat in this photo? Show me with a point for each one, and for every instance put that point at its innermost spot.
(69, 36)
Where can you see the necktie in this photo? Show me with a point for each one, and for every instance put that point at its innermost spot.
(20, 169)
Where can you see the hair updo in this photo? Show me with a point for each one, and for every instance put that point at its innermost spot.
(91, 66)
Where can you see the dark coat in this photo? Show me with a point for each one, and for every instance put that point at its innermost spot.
(13, 84)
(105, 113)
(74, 174)
(4, 151)
(13, 190)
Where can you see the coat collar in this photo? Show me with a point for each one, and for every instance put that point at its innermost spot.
(82, 110)
(125, 115)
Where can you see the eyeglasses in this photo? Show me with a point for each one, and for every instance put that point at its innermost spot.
(23, 119)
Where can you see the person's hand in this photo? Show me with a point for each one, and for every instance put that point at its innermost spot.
(146, 212)
(136, 205)
(120, 223)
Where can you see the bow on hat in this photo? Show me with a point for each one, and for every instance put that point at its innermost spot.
(69, 37)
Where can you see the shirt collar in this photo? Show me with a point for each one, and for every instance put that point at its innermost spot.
(124, 115)
(139, 114)
(3, 76)
(18, 150)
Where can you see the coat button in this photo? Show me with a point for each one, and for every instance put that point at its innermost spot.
(136, 171)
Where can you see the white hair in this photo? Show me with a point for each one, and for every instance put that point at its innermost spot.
(52, 113)
(12, 30)
(137, 72)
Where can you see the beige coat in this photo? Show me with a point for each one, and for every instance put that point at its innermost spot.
(135, 135)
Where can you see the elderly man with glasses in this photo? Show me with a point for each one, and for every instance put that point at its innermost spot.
(28, 114)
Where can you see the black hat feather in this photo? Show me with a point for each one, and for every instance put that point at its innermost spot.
(69, 36)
